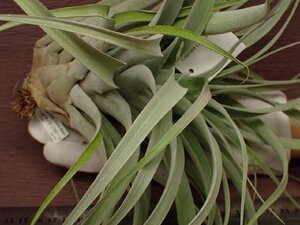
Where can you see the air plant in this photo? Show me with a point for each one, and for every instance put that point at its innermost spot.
(152, 91)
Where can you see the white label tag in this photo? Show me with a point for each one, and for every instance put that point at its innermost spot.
(53, 127)
(200, 59)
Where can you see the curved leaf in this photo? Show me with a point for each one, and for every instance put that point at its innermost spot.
(146, 46)
(73, 11)
(234, 20)
(167, 96)
(173, 182)
(186, 34)
(92, 147)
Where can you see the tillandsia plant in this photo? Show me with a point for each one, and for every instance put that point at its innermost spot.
(152, 91)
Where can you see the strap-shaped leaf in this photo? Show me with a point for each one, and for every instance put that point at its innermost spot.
(227, 200)
(178, 127)
(227, 137)
(210, 186)
(146, 46)
(123, 18)
(240, 111)
(110, 198)
(73, 11)
(91, 149)
(83, 11)
(168, 196)
(273, 17)
(186, 34)
(142, 208)
(167, 96)
(199, 159)
(215, 22)
(175, 130)
(235, 176)
(256, 34)
(268, 171)
(197, 20)
(141, 181)
(215, 184)
(167, 12)
(185, 206)
(234, 20)
(254, 85)
(215, 105)
(268, 136)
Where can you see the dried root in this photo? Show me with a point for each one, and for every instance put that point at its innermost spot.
(24, 104)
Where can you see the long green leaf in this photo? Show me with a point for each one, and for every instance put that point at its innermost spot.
(219, 22)
(142, 208)
(235, 176)
(199, 159)
(244, 112)
(232, 20)
(185, 206)
(201, 12)
(215, 105)
(268, 171)
(146, 46)
(142, 179)
(83, 11)
(173, 182)
(167, 12)
(256, 159)
(92, 147)
(73, 11)
(256, 34)
(270, 53)
(228, 137)
(227, 201)
(186, 34)
(203, 169)
(215, 184)
(255, 85)
(127, 17)
(268, 136)
(193, 139)
(222, 22)
(109, 199)
(178, 127)
(275, 14)
(156, 109)
(209, 204)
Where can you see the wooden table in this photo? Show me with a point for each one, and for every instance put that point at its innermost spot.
(26, 177)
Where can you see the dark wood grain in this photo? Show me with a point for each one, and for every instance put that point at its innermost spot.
(25, 176)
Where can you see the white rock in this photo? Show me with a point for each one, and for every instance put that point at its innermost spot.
(66, 153)
(38, 132)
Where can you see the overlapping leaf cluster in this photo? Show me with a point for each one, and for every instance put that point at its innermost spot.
(113, 78)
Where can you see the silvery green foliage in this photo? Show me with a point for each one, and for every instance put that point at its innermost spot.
(160, 124)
